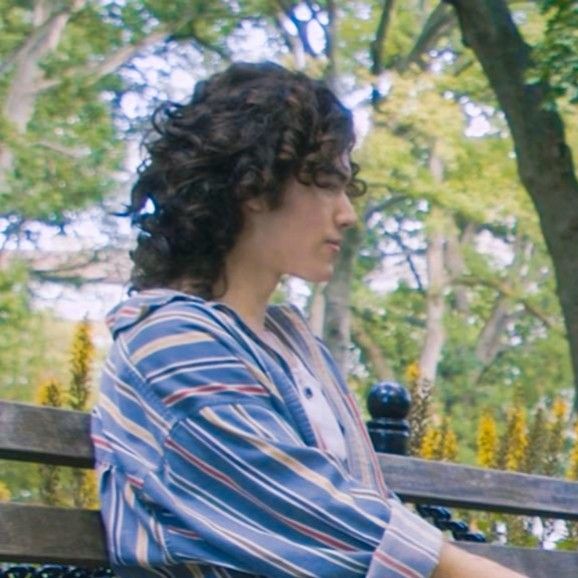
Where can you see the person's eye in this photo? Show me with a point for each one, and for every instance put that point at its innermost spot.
(336, 184)
(334, 188)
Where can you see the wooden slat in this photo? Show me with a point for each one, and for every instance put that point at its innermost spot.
(57, 535)
(423, 481)
(531, 562)
(45, 435)
(44, 534)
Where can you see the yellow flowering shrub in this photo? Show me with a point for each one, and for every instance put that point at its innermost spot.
(487, 441)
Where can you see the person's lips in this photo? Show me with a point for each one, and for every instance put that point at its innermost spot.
(335, 244)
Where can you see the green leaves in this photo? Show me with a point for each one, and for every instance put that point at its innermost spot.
(556, 55)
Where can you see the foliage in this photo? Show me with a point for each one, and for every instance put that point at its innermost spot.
(536, 451)
(5, 494)
(51, 394)
(487, 440)
(59, 485)
(556, 438)
(514, 441)
(83, 482)
(538, 448)
(421, 434)
(61, 90)
(556, 55)
(439, 443)
(81, 359)
(30, 341)
(573, 462)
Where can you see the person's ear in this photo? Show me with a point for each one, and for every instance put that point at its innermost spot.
(256, 204)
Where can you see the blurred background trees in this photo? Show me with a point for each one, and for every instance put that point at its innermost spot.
(460, 279)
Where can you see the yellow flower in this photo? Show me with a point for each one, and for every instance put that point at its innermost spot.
(556, 438)
(4, 493)
(80, 363)
(517, 439)
(412, 372)
(487, 441)
(559, 409)
(50, 393)
(573, 465)
(449, 448)
(430, 444)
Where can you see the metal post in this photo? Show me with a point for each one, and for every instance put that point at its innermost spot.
(389, 404)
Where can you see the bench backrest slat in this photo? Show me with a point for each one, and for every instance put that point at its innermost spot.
(424, 481)
(61, 437)
(45, 435)
(531, 562)
(41, 534)
(45, 534)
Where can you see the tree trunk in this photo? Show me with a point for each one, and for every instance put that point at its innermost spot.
(316, 309)
(435, 334)
(337, 313)
(489, 342)
(544, 159)
(455, 263)
(435, 301)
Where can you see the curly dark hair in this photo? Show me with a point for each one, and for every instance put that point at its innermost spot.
(243, 134)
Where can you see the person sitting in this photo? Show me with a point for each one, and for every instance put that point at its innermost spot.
(226, 440)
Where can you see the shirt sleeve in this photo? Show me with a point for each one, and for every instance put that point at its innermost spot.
(258, 500)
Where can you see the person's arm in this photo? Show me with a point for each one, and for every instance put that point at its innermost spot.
(206, 466)
(457, 563)
(241, 479)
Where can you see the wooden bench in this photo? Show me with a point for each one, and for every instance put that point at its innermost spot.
(41, 534)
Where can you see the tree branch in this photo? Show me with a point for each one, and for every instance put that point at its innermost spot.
(377, 49)
(300, 27)
(75, 153)
(439, 22)
(96, 71)
(292, 43)
(35, 38)
(408, 253)
(330, 52)
(511, 293)
(381, 206)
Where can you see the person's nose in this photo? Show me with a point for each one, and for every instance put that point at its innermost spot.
(345, 214)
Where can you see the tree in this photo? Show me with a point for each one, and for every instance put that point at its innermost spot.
(544, 158)
(476, 324)
(62, 84)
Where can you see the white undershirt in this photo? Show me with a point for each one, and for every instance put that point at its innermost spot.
(313, 400)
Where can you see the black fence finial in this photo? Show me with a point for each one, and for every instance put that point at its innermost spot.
(389, 403)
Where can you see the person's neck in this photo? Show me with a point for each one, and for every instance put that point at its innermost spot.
(248, 294)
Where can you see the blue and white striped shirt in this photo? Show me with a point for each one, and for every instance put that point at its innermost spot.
(209, 466)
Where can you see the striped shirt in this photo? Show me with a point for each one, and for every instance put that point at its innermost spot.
(210, 467)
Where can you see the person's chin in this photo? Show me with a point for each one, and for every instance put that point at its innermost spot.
(318, 276)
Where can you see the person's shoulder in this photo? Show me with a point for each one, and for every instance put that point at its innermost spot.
(287, 318)
(287, 311)
(159, 313)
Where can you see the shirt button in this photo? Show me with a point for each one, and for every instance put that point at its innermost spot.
(308, 392)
